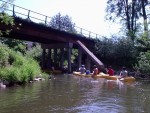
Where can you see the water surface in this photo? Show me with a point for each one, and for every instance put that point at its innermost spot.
(73, 94)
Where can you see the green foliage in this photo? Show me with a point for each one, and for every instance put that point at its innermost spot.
(17, 45)
(4, 17)
(116, 51)
(11, 74)
(7, 20)
(4, 55)
(35, 52)
(104, 47)
(17, 59)
(30, 69)
(125, 48)
(143, 64)
(19, 68)
(143, 41)
(129, 12)
(74, 55)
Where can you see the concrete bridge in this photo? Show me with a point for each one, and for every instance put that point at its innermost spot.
(52, 40)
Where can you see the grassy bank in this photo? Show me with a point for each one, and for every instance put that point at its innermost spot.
(15, 67)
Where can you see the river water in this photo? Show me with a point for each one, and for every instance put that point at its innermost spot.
(73, 94)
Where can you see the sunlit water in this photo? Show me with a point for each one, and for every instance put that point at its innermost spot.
(72, 94)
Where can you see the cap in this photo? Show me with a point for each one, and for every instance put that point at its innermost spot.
(123, 67)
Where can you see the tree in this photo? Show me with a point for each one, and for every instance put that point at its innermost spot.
(143, 4)
(5, 18)
(129, 12)
(5, 3)
(117, 51)
(63, 23)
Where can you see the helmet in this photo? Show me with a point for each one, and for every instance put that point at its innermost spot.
(123, 67)
(83, 65)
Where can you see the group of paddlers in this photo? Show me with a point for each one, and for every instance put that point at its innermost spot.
(110, 71)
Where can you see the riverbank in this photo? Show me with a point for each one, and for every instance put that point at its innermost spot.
(4, 83)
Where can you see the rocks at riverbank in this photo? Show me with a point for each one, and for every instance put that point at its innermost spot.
(38, 78)
(4, 84)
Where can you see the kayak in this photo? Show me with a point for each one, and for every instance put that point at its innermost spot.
(79, 74)
(101, 75)
(127, 79)
(106, 76)
(111, 77)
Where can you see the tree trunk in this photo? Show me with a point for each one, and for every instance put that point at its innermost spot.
(144, 16)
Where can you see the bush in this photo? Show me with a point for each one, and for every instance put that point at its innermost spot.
(11, 74)
(4, 55)
(31, 68)
(143, 64)
(35, 52)
(19, 68)
(116, 51)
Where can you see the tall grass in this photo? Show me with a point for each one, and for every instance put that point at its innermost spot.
(15, 67)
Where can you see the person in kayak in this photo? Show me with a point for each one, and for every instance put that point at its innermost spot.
(110, 71)
(82, 69)
(95, 71)
(123, 73)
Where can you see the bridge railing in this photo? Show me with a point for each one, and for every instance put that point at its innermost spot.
(17, 11)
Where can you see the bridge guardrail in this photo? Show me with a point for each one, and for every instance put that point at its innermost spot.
(14, 10)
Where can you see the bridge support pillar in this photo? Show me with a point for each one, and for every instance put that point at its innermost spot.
(79, 57)
(88, 63)
(43, 58)
(62, 58)
(49, 62)
(55, 57)
(69, 56)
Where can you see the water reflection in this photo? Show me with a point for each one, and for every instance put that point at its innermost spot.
(73, 94)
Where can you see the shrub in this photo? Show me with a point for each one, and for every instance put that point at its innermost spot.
(143, 64)
(31, 68)
(21, 69)
(116, 51)
(35, 52)
(4, 55)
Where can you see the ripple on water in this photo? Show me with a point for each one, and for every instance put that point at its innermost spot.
(66, 94)
(102, 107)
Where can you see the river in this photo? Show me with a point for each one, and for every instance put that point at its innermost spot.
(73, 94)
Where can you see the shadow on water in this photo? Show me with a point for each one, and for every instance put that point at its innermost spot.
(74, 94)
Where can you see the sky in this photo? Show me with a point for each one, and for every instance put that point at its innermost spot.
(87, 14)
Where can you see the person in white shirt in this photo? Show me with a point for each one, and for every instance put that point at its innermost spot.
(123, 73)
(82, 69)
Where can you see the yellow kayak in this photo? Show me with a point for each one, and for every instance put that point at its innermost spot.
(79, 74)
(111, 77)
(106, 76)
(127, 79)
(101, 75)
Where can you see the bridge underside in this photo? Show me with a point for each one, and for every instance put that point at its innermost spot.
(51, 39)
